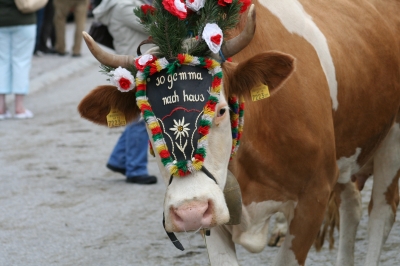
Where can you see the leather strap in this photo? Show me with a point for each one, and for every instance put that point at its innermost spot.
(172, 237)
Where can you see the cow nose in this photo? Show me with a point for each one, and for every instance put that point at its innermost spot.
(192, 216)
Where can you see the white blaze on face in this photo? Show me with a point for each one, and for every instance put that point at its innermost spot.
(294, 18)
(187, 196)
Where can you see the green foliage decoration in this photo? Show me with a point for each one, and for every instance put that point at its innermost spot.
(170, 33)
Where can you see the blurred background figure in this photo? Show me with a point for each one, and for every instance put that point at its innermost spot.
(39, 21)
(129, 156)
(62, 9)
(17, 43)
(47, 31)
(122, 23)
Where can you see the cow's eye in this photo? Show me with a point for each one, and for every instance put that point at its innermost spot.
(221, 112)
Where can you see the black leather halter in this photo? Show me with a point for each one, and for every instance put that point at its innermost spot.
(171, 235)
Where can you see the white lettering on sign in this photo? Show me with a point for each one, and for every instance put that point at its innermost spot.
(182, 76)
(160, 80)
(192, 97)
(171, 99)
(194, 75)
(171, 79)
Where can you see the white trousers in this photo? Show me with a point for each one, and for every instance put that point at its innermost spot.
(16, 51)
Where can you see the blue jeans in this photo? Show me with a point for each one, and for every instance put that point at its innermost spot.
(16, 51)
(130, 152)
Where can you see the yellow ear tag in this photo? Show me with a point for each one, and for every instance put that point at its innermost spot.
(116, 118)
(259, 93)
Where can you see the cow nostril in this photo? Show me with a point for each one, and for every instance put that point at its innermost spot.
(176, 216)
(208, 211)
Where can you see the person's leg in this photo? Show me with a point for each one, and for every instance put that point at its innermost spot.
(61, 10)
(39, 24)
(80, 15)
(5, 67)
(136, 154)
(23, 44)
(47, 28)
(117, 159)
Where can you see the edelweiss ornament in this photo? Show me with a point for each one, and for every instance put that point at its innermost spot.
(180, 128)
(213, 36)
(195, 5)
(122, 79)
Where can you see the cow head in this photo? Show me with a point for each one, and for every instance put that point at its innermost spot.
(195, 200)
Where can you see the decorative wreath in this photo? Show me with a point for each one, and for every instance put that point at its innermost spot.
(179, 168)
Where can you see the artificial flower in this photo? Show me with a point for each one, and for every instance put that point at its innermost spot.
(213, 36)
(224, 2)
(176, 8)
(143, 61)
(147, 8)
(122, 79)
(195, 5)
(180, 128)
(245, 5)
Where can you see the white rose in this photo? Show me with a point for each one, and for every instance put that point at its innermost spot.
(122, 79)
(213, 36)
(195, 5)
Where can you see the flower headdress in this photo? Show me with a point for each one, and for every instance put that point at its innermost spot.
(171, 22)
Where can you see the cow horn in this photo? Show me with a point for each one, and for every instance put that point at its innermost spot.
(107, 59)
(235, 45)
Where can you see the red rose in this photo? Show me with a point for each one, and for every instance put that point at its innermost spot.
(142, 62)
(124, 83)
(245, 5)
(176, 8)
(224, 2)
(148, 8)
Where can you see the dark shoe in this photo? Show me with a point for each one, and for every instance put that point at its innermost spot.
(51, 51)
(62, 54)
(143, 179)
(116, 169)
(47, 50)
(76, 55)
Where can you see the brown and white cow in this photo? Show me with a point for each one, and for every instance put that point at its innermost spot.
(338, 112)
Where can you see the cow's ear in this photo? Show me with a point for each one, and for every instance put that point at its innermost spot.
(97, 104)
(270, 68)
